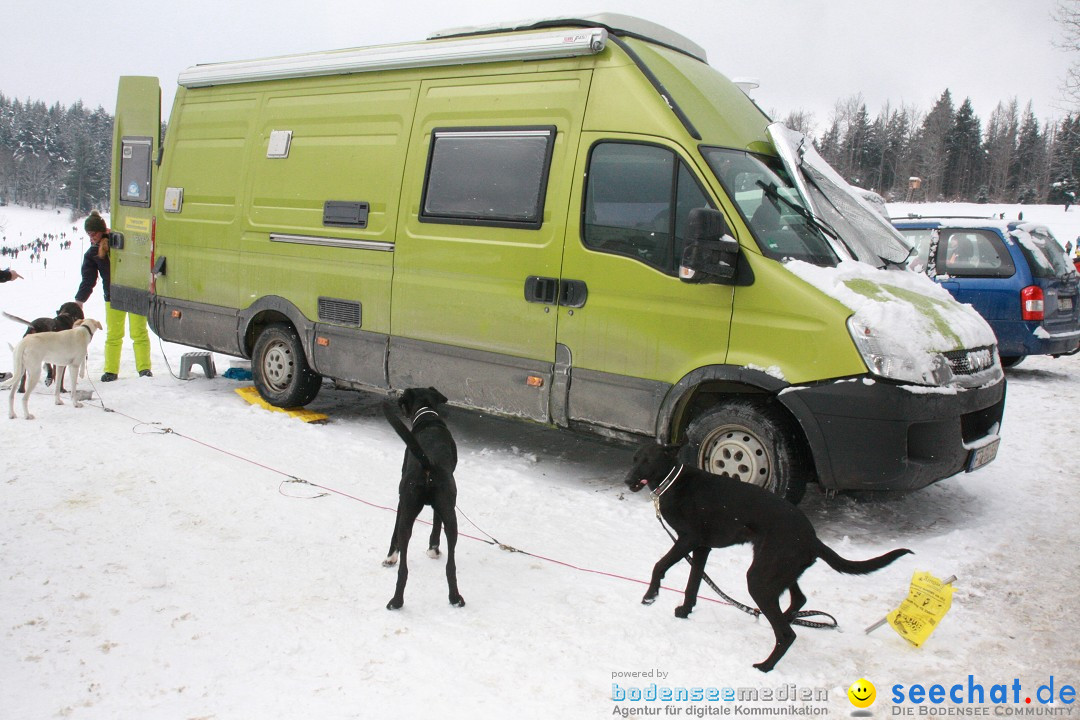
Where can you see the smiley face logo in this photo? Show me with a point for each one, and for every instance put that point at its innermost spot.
(862, 693)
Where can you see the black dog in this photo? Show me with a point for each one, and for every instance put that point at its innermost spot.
(427, 478)
(65, 319)
(715, 511)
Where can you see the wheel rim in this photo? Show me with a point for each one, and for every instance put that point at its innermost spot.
(733, 450)
(278, 367)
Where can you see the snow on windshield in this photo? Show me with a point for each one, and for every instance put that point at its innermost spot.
(865, 232)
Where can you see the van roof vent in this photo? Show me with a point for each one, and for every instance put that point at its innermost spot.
(615, 23)
(494, 48)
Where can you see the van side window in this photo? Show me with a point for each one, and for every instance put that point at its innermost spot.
(135, 171)
(973, 253)
(637, 203)
(491, 176)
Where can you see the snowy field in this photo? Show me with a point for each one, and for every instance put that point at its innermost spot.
(158, 560)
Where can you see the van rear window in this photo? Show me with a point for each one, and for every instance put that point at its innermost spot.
(135, 171)
(491, 176)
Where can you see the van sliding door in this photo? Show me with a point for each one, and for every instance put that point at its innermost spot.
(477, 257)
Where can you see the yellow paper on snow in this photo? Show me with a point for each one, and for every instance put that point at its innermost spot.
(926, 604)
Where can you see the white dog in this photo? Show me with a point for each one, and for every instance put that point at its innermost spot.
(65, 349)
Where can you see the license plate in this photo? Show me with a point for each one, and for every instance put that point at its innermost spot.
(982, 456)
(1065, 303)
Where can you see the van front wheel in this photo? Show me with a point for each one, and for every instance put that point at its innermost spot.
(280, 370)
(751, 442)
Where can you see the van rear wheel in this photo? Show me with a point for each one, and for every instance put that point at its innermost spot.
(752, 442)
(280, 370)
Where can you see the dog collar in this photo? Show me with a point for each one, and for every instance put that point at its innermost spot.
(88, 329)
(421, 412)
(664, 486)
(672, 476)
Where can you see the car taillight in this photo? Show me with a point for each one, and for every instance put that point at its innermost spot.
(1031, 303)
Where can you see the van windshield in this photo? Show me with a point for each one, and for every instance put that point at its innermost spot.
(771, 206)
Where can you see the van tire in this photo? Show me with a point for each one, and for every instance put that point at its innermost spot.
(753, 442)
(280, 370)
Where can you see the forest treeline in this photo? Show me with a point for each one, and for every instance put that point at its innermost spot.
(953, 154)
(52, 155)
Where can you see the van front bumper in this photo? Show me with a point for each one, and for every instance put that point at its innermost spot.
(866, 434)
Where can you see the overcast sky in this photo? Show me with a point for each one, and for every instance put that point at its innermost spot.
(806, 54)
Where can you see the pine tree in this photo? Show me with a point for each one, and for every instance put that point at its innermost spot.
(930, 146)
(963, 153)
(1029, 168)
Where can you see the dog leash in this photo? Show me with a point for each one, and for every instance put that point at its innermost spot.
(800, 616)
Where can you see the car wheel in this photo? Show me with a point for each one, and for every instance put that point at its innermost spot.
(752, 442)
(280, 370)
(1008, 361)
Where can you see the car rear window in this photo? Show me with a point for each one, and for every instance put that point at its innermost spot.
(1046, 258)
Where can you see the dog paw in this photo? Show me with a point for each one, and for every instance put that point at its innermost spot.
(395, 604)
(763, 667)
(683, 612)
(648, 600)
(389, 562)
(434, 553)
(457, 601)
(78, 404)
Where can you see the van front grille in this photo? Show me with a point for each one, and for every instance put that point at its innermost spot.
(342, 312)
(971, 361)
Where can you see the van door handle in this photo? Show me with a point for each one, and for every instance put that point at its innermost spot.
(544, 290)
(573, 293)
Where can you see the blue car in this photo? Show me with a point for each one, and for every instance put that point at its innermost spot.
(1015, 274)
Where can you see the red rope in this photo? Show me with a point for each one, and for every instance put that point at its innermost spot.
(491, 541)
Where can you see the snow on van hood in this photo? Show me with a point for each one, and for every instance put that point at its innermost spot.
(905, 307)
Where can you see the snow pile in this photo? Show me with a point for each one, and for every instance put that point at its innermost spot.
(906, 309)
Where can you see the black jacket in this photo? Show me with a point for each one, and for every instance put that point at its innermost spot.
(92, 267)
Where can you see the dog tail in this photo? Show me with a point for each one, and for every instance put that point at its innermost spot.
(18, 319)
(405, 434)
(858, 567)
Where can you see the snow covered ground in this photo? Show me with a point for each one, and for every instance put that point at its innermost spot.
(158, 559)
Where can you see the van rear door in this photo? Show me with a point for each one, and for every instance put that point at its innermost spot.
(136, 144)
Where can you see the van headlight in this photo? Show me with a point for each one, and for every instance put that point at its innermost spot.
(887, 358)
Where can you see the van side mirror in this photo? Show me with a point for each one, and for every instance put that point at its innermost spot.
(711, 254)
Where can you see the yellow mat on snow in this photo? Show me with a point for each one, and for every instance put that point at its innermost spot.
(252, 396)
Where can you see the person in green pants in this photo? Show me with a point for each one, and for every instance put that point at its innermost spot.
(96, 264)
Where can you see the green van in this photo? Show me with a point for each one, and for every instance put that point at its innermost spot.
(578, 222)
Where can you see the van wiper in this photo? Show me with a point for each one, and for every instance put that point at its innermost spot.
(772, 192)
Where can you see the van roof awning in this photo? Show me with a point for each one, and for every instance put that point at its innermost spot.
(614, 23)
(568, 42)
